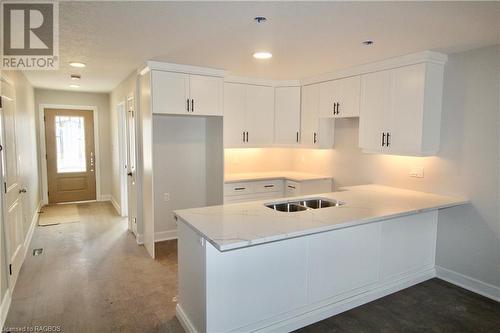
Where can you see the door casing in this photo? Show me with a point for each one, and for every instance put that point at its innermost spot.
(43, 150)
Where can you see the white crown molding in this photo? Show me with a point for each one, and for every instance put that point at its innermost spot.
(178, 68)
(261, 82)
(405, 60)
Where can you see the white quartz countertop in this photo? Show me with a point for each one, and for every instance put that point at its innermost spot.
(288, 175)
(234, 226)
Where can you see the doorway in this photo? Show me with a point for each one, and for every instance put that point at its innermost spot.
(70, 155)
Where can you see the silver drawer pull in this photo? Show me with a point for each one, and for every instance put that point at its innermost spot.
(240, 188)
(267, 186)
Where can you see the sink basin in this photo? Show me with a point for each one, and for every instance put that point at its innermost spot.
(301, 205)
(320, 203)
(288, 207)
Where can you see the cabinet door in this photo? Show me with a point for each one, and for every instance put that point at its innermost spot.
(234, 114)
(349, 91)
(170, 92)
(287, 115)
(375, 112)
(407, 109)
(259, 115)
(310, 115)
(329, 94)
(206, 95)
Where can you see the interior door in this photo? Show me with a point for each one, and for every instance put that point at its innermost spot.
(206, 95)
(375, 110)
(287, 115)
(69, 136)
(234, 114)
(12, 189)
(259, 114)
(131, 166)
(170, 92)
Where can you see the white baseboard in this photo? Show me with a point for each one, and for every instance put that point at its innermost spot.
(4, 307)
(165, 235)
(184, 320)
(469, 283)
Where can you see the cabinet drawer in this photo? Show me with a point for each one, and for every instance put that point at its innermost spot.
(268, 186)
(292, 188)
(238, 188)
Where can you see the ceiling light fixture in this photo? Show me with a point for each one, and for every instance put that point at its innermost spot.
(260, 19)
(74, 86)
(262, 55)
(368, 42)
(75, 77)
(77, 64)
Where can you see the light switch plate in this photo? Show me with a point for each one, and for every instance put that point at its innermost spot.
(417, 172)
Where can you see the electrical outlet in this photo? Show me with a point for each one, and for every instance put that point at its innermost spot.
(166, 197)
(417, 172)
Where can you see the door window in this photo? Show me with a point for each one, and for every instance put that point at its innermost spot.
(70, 142)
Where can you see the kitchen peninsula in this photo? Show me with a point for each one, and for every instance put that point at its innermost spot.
(248, 267)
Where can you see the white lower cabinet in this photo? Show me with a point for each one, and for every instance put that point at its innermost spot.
(272, 189)
(284, 285)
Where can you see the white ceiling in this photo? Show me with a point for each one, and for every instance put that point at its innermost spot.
(306, 38)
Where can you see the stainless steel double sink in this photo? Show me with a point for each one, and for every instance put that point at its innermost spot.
(303, 204)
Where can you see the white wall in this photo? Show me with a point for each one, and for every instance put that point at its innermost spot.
(101, 101)
(27, 142)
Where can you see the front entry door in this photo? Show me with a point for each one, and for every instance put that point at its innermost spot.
(69, 137)
(131, 167)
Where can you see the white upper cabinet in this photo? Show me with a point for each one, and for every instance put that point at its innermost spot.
(259, 115)
(401, 110)
(234, 114)
(287, 115)
(316, 131)
(178, 93)
(170, 92)
(340, 98)
(206, 95)
(248, 115)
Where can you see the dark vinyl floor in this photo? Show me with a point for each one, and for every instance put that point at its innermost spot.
(92, 277)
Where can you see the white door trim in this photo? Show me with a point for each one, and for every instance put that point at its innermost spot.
(43, 151)
(121, 110)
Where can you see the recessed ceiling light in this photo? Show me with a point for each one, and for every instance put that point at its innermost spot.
(262, 55)
(260, 19)
(75, 77)
(74, 86)
(77, 64)
(368, 42)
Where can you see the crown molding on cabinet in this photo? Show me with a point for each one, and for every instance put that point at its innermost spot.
(177, 68)
(261, 82)
(400, 61)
